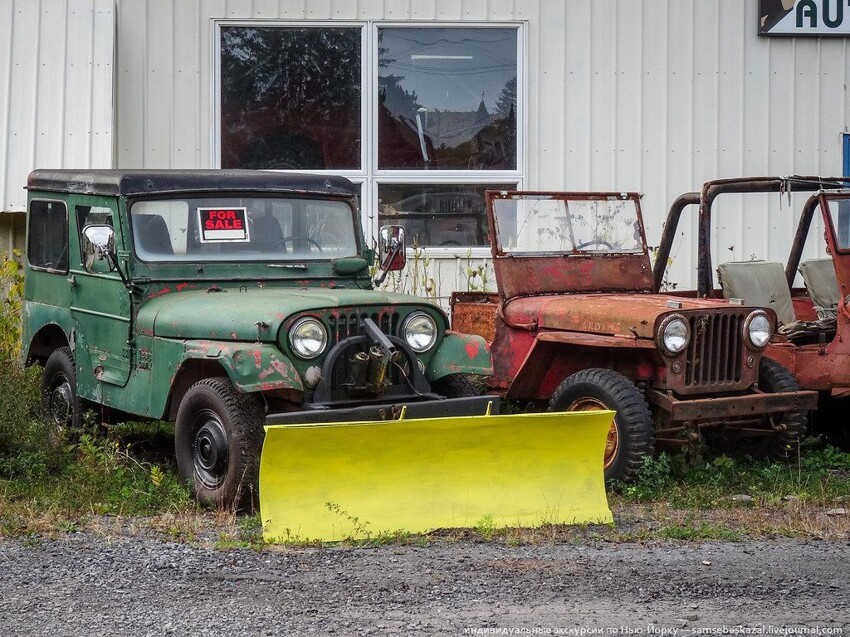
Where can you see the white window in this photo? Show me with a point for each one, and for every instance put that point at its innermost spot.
(424, 118)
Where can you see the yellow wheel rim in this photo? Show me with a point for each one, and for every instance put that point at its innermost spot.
(612, 442)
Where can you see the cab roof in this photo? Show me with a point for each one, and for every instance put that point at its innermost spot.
(151, 182)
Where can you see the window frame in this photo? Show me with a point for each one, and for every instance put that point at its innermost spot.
(42, 268)
(368, 176)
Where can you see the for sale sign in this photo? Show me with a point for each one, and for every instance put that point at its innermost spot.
(223, 224)
(804, 17)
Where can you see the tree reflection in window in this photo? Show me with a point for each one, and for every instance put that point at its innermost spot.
(290, 97)
(447, 98)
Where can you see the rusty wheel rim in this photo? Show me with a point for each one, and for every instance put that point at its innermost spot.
(612, 442)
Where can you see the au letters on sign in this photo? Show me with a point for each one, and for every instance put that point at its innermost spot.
(804, 17)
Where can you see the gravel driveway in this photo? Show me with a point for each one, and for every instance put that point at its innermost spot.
(84, 584)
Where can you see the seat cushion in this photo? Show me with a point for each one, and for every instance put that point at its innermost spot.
(821, 283)
(759, 283)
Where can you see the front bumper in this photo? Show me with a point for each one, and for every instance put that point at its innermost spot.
(750, 405)
(447, 407)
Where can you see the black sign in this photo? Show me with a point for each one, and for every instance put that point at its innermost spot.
(223, 224)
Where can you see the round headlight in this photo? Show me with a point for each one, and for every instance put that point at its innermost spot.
(308, 337)
(419, 331)
(757, 329)
(675, 334)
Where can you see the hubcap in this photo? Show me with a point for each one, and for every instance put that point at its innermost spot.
(61, 400)
(209, 450)
(612, 442)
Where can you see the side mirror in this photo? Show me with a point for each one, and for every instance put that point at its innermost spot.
(392, 254)
(98, 247)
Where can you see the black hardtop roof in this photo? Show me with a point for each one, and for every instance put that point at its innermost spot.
(149, 182)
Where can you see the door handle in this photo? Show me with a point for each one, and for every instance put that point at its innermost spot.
(72, 280)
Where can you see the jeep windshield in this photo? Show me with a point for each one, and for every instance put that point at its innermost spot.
(556, 224)
(242, 228)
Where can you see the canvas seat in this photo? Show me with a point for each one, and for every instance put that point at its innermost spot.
(759, 283)
(822, 286)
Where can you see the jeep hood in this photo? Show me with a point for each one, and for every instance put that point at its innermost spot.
(631, 315)
(234, 315)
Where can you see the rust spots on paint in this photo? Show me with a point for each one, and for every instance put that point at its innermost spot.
(161, 292)
(258, 358)
(472, 349)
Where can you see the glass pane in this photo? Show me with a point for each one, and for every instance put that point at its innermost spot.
(243, 229)
(48, 236)
(839, 210)
(442, 215)
(290, 97)
(546, 225)
(447, 98)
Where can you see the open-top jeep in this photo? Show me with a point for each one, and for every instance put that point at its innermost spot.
(226, 300)
(813, 340)
(578, 323)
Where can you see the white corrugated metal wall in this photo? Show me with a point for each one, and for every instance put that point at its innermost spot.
(56, 78)
(652, 95)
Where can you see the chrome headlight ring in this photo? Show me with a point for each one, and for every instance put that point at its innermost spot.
(419, 331)
(674, 334)
(308, 337)
(757, 330)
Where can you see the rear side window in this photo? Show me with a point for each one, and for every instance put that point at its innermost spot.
(47, 243)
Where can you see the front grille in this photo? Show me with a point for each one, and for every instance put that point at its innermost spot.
(344, 325)
(715, 352)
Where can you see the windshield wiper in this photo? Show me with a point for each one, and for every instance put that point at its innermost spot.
(290, 266)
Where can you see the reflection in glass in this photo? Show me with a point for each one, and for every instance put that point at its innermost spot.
(278, 229)
(546, 225)
(447, 98)
(839, 210)
(290, 97)
(442, 215)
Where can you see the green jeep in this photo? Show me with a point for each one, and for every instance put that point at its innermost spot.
(225, 300)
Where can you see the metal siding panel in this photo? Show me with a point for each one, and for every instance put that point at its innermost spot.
(832, 95)
(603, 56)
(546, 84)
(576, 98)
(474, 9)
(400, 10)
(654, 111)
(103, 85)
(186, 144)
(627, 83)
(131, 51)
(77, 89)
(7, 14)
(424, 10)
(730, 109)
(159, 90)
(807, 104)
(319, 10)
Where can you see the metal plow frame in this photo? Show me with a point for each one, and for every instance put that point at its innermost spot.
(338, 481)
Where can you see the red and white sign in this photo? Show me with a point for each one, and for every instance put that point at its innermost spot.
(223, 224)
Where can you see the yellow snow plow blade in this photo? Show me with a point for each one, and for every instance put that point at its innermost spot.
(337, 481)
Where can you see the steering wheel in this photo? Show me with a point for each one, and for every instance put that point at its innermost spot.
(293, 238)
(598, 242)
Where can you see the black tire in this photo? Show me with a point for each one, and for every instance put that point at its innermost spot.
(217, 441)
(631, 437)
(457, 386)
(61, 408)
(783, 445)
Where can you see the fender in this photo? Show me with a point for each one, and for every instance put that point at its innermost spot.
(460, 354)
(251, 366)
(556, 355)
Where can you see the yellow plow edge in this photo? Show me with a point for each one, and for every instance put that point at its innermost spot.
(355, 480)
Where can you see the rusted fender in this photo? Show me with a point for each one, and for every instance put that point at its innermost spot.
(251, 367)
(596, 340)
(460, 354)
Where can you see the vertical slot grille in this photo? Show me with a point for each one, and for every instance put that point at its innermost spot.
(344, 325)
(715, 352)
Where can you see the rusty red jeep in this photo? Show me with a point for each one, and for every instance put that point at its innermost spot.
(577, 322)
(813, 340)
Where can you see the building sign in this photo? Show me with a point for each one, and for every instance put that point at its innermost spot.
(804, 17)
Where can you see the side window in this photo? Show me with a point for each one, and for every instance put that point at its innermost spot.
(47, 243)
(91, 216)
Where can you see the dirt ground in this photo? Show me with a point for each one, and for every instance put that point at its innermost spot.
(104, 584)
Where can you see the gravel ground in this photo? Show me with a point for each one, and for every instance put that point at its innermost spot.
(85, 584)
